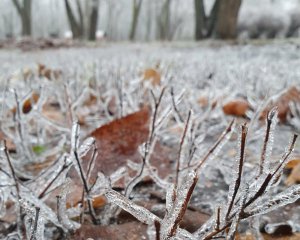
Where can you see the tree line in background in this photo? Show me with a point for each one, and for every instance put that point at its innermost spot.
(82, 17)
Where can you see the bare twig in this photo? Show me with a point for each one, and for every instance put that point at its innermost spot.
(34, 229)
(215, 146)
(237, 182)
(63, 168)
(183, 139)
(174, 105)
(264, 153)
(149, 142)
(86, 188)
(12, 170)
(157, 229)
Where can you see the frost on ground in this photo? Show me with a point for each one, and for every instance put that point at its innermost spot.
(194, 142)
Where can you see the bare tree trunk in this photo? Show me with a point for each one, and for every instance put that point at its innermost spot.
(74, 25)
(164, 21)
(24, 11)
(93, 19)
(135, 16)
(211, 21)
(199, 19)
(86, 26)
(227, 19)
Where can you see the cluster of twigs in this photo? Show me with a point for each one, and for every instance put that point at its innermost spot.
(244, 200)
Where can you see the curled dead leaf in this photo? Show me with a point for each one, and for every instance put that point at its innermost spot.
(282, 103)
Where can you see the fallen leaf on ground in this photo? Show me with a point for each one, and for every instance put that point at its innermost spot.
(282, 103)
(48, 73)
(127, 231)
(237, 107)
(295, 236)
(152, 75)
(28, 103)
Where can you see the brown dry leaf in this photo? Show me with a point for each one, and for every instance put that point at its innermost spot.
(282, 103)
(118, 141)
(295, 236)
(75, 197)
(203, 101)
(294, 167)
(127, 231)
(294, 176)
(48, 73)
(237, 107)
(292, 163)
(27, 104)
(153, 76)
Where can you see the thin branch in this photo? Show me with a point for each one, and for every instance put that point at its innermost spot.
(157, 229)
(181, 203)
(183, 139)
(34, 229)
(86, 188)
(218, 220)
(149, 142)
(174, 105)
(12, 170)
(44, 192)
(237, 182)
(263, 157)
(215, 146)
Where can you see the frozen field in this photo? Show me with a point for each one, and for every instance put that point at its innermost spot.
(98, 85)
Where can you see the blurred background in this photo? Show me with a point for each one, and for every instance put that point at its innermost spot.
(145, 20)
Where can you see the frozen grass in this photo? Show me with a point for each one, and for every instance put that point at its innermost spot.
(114, 72)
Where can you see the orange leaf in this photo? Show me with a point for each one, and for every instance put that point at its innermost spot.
(27, 104)
(283, 104)
(153, 76)
(117, 142)
(237, 107)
